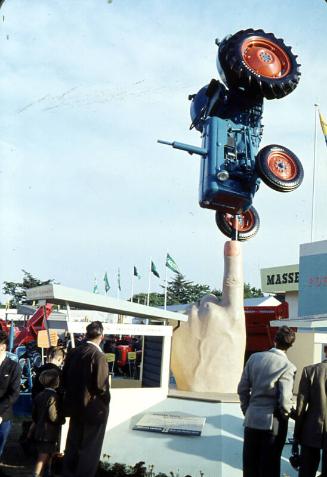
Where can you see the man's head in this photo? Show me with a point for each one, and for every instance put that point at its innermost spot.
(94, 332)
(284, 338)
(3, 341)
(56, 355)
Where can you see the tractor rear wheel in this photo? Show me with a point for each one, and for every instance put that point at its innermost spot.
(259, 63)
(279, 168)
(248, 224)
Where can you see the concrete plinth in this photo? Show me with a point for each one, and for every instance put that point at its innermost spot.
(217, 453)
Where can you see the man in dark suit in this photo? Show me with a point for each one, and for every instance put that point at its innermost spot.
(86, 402)
(9, 391)
(266, 392)
(311, 420)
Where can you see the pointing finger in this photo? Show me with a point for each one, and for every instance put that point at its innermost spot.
(233, 275)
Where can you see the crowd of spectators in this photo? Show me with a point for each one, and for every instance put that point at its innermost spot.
(76, 386)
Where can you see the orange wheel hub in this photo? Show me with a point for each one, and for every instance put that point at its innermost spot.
(246, 221)
(282, 165)
(265, 57)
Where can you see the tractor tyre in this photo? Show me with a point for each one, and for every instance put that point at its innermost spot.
(258, 63)
(249, 224)
(279, 168)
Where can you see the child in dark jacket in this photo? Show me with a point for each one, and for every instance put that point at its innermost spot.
(47, 419)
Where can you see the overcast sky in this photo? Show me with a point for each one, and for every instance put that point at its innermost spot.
(86, 89)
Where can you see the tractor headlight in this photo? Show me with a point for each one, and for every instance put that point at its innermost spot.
(222, 176)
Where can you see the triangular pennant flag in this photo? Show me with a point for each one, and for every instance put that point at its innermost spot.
(136, 273)
(154, 270)
(95, 287)
(106, 282)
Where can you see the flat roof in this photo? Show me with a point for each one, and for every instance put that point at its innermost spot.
(60, 295)
(313, 323)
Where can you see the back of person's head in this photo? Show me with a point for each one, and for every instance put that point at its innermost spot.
(94, 330)
(284, 338)
(3, 337)
(56, 354)
(49, 378)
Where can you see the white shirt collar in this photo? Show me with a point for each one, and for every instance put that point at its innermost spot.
(2, 358)
(96, 345)
(278, 351)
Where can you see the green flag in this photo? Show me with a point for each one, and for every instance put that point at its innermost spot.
(171, 264)
(95, 287)
(118, 280)
(136, 273)
(106, 282)
(154, 270)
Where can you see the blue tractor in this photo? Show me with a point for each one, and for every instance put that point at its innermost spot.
(252, 65)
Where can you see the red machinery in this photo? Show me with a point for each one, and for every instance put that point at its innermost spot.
(5, 326)
(122, 353)
(32, 326)
(259, 334)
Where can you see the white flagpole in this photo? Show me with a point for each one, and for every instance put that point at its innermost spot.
(314, 173)
(118, 284)
(132, 286)
(149, 284)
(165, 306)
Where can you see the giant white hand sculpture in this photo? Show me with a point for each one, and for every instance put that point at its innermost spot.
(208, 350)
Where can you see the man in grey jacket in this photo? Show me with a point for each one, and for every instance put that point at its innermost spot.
(266, 396)
(311, 420)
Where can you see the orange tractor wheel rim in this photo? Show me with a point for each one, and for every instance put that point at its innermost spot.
(282, 165)
(265, 58)
(246, 221)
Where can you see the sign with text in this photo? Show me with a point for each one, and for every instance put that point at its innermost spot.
(313, 280)
(43, 338)
(280, 279)
(169, 423)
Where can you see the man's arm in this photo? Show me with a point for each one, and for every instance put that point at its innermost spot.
(285, 388)
(101, 376)
(12, 393)
(244, 388)
(302, 401)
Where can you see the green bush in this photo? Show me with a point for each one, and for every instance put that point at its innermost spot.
(106, 469)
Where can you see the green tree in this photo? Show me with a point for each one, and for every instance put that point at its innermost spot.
(251, 292)
(180, 290)
(217, 293)
(17, 290)
(156, 299)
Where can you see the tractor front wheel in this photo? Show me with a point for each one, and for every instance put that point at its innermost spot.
(248, 224)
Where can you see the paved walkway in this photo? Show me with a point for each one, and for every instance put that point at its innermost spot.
(217, 452)
(14, 461)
